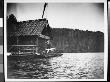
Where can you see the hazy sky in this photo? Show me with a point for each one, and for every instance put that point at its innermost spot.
(84, 16)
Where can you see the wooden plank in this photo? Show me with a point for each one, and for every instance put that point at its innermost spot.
(23, 45)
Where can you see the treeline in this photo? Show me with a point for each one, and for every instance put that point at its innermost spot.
(70, 41)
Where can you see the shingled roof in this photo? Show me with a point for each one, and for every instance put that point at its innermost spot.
(31, 27)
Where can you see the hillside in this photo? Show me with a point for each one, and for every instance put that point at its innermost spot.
(70, 41)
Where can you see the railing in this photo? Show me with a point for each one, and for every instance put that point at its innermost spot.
(23, 49)
(22, 45)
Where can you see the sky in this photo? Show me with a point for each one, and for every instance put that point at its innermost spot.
(83, 16)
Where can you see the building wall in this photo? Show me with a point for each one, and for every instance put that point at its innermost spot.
(30, 42)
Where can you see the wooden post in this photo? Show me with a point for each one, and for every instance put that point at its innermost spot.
(17, 44)
(36, 45)
(44, 9)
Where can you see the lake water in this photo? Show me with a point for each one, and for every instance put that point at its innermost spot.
(67, 66)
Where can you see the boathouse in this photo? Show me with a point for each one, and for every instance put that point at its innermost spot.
(27, 36)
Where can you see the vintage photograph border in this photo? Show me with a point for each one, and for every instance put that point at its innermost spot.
(59, 1)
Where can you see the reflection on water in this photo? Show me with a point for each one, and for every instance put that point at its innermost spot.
(67, 66)
(28, 67)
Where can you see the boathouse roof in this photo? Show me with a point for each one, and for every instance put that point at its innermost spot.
(29, 27)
